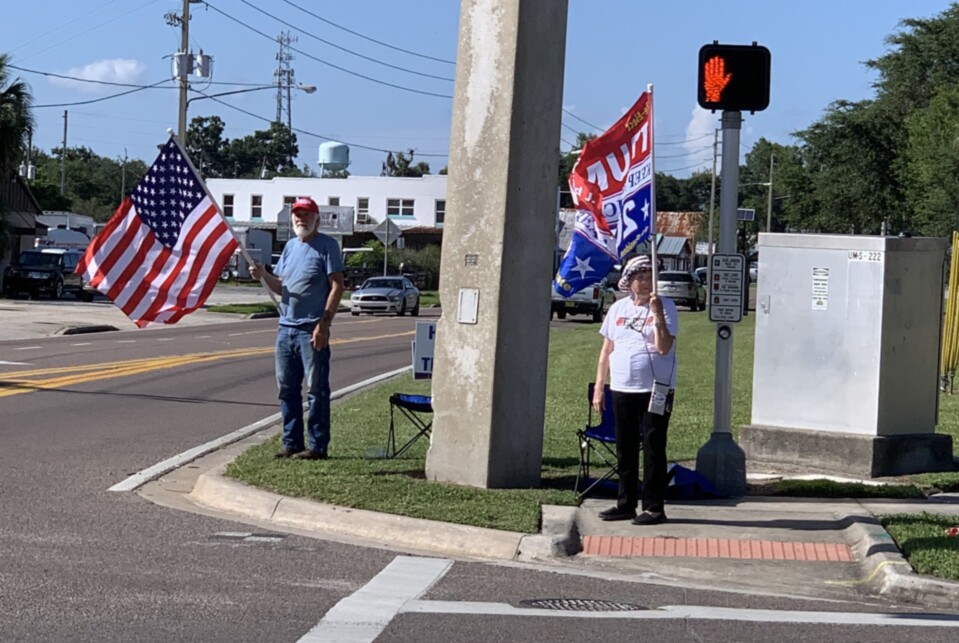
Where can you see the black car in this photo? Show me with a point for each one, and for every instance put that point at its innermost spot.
(46, 270)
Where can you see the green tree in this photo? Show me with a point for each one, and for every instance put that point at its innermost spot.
(848, 184)
(931, 167)
(401, 164)
(206, 146)
(271, 151)
(566, 163)
(93, 182)
(754, 179)
(16, 118)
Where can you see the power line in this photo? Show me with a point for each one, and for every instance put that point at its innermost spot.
(676, 156)
(359, 35)
(102, 24)
(329, 64)
(77, 78)
(683, 140)
(680, 169)
(103, 98)
(595, 127)
(320, 136)
(65, 24)
(349, 51)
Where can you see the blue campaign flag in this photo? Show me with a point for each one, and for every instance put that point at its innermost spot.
(613, 188)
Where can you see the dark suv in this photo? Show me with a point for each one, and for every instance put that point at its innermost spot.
(46, 270)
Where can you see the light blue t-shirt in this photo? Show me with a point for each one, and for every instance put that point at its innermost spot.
(305, 267)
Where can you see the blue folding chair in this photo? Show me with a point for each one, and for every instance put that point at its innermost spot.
(414, 408)
(597, 448)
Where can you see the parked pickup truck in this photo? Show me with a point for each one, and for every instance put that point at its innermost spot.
(593, 300)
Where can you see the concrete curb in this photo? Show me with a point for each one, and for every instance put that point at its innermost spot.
(215, 491)
(275, 313)
(888, 573)
(80, 330)
(559, 538)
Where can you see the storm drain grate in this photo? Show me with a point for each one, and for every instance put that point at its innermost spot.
(579, 605)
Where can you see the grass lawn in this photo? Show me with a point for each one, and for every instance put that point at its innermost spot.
(429, 298)
(360, 424)
(923, 540)
(242, 309)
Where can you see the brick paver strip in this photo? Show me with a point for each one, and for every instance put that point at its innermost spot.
(660, 547)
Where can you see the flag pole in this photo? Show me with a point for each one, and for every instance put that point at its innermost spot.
(652, 191)
(243, 250)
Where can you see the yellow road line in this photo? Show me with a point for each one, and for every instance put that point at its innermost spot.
(16, 383)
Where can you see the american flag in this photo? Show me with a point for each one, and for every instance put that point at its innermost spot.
(160, 255)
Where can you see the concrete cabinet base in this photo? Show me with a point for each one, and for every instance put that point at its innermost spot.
(849, 454)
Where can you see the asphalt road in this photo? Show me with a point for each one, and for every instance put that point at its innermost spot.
(80, 563)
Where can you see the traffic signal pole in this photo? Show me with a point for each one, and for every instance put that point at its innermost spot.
(721, 460)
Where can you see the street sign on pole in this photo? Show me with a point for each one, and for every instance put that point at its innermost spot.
(387, 232)
(726, 290)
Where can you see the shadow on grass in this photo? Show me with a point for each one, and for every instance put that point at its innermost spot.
(560, 463)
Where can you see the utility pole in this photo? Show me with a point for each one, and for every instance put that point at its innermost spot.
(184, 70)
(183, 63)
(769, 203)
(63, 157)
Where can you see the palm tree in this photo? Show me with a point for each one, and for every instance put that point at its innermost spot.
(16, 119)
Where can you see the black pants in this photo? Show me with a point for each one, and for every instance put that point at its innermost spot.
(634, 423)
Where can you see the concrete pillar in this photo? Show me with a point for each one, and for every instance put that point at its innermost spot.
(489, 375)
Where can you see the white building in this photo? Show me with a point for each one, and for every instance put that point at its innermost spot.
(409, 202)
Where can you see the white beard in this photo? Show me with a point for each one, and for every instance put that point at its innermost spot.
(303, 231)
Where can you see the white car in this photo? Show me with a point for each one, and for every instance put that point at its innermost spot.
(395, 295)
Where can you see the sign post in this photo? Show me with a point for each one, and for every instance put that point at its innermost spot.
(731, 78)
(387, 232)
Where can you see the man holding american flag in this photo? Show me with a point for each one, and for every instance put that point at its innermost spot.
(309, 278)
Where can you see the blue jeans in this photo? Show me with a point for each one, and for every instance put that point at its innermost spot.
(296, 361)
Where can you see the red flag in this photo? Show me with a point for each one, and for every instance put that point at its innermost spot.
(160, 255)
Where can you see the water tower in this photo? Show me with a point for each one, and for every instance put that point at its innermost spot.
(333, 156)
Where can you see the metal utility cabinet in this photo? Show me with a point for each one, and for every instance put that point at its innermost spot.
(845, 374)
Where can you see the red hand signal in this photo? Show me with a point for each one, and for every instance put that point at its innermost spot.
(715, 79)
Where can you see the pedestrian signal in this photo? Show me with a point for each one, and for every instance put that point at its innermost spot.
(734, 77)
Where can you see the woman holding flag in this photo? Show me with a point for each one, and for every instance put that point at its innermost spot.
(639, 353)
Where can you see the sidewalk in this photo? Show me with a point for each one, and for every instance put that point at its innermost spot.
(829, 549)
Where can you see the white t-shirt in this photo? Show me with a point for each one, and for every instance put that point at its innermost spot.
(634, 362)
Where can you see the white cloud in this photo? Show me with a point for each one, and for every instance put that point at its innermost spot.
(116, 70)
(698, 142)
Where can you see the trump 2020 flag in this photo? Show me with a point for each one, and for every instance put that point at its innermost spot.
(612, 187)
(160, 255)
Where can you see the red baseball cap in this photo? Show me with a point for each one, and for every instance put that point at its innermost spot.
(306, 204)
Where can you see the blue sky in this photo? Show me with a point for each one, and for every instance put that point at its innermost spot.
(614, 48)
